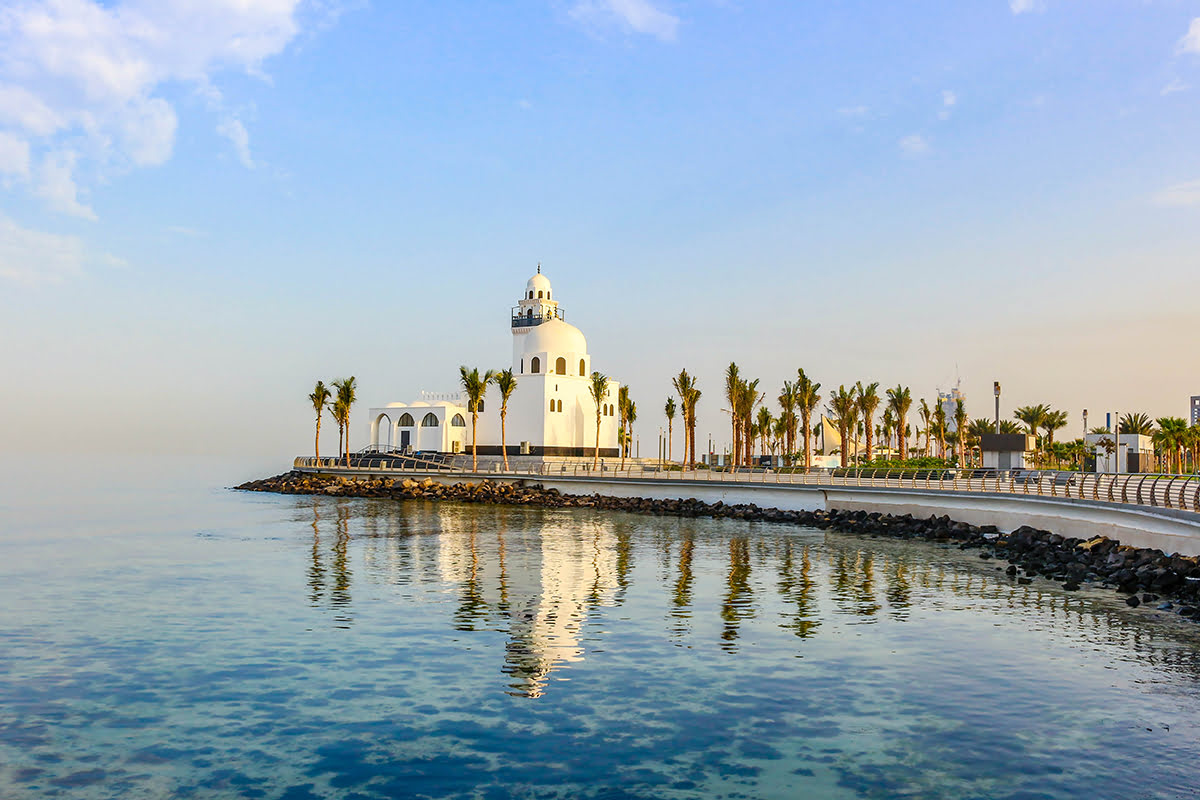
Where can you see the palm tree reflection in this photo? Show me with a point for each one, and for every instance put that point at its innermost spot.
(738, 601)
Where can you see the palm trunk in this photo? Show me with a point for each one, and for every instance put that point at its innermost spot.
(870, 441)
(317, 443)
(844, 430)
(670, 434)
(474, 447)
(737, 449)
(341, 432)
(596, 460)
(805, 432)
(503, 438)
(692, 440)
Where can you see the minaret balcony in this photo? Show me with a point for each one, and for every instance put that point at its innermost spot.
(522, 319)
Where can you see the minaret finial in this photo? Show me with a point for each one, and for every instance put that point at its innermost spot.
(539, 268)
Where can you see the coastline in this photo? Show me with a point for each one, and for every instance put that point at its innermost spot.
(1143, 575)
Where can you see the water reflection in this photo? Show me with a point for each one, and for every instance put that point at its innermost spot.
(550, 580)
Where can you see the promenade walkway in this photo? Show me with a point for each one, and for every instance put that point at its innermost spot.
(1157, 491)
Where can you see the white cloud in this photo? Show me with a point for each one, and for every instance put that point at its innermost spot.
(639, 16)
(14, 156)
(1180, 195)
(84, 78)
(235, 132)
(31, 257)
(1174, 86)
(56, 185)
(914, 145)
(1190, 43)
(1024, 6)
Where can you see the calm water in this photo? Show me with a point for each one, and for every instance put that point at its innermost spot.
(162, 637)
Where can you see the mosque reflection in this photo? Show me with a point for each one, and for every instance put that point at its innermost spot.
(540, 577)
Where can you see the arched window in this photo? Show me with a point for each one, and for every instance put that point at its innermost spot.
(529, 313)
(522, 366)
(560, 405)
(551, 405)
(560, 366)
(430, 421)
(535, 366)
(457, 421)
(539, 295)
(531, 294)
(478, 407)
(406, 420)
(582, 367)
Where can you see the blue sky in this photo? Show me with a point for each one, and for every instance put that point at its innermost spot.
(206, 207)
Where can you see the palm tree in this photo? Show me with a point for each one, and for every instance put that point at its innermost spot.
(338, 411)
(1032, 416)
(868, 401)
(475, 386)
(733, 394)
(1008, 426)
(346, 397)
(669, 410)
(960, 427)
(926, 415)
(749, 398)
(622, 418)
(938, 421)
(787, 416)
(630, 418)
(764, 423)
(808, 396)
(843, 407)
(689, 396)
(1136, 423)
(886, 425)
(506, 384)
(599, 391)
(900, 401)
(1053, 421)
(320, 401)
(1170, 438)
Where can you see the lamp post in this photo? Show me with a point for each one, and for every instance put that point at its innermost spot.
(996, 391)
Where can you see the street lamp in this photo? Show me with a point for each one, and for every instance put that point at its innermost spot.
(996, 390)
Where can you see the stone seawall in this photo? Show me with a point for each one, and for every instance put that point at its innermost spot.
(1143, 575)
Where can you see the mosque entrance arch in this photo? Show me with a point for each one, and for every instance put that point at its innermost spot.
(381, 435)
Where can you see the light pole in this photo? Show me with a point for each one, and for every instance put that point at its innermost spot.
(996, 391)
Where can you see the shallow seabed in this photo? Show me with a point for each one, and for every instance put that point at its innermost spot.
(160, 638)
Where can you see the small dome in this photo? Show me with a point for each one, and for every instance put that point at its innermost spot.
(555, 337)
(419, 404)
(538, 281)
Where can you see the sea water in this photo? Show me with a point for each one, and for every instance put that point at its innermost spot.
(162, 636)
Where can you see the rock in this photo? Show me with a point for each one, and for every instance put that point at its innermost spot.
(1132, 601)
(1071, 586)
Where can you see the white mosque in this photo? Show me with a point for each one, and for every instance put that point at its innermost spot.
(551, 413)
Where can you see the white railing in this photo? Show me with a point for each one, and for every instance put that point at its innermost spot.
(1154, 490)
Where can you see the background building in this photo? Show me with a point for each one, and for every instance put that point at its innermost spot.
(1196, 409)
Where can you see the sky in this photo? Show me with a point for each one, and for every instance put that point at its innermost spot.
(207, 206)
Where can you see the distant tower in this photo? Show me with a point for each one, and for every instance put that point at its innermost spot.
(949, 403)
(1196, 409)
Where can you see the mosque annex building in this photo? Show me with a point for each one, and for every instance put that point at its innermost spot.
(551, 412)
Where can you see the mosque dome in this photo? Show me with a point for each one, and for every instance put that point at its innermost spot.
(554, 336)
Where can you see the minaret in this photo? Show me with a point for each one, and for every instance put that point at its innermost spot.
(536, 305)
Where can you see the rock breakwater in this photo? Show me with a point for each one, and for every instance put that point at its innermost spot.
(1143, 575)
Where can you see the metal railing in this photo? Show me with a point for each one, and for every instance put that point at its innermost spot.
(1180, 492)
